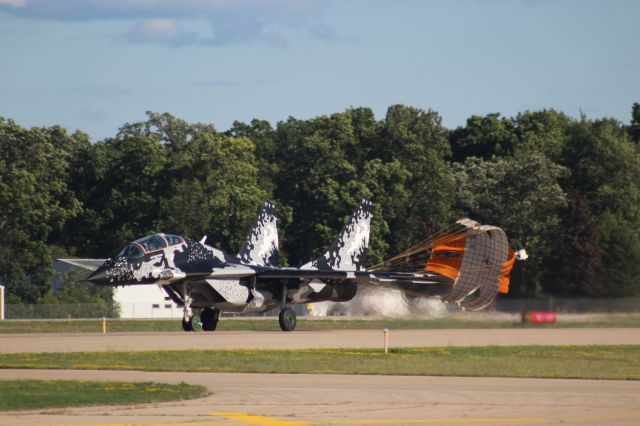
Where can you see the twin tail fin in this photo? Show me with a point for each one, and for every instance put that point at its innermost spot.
(349, 250)
(261, 245)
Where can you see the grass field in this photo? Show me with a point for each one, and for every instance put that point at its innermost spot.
(582, 362)
(32, 394)
(271, 324)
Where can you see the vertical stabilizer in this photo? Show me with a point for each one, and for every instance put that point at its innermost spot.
(349, 251)
(261, 246)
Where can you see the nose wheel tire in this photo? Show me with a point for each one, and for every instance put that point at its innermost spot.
(187, 325)
(209, 318)
(287, 319)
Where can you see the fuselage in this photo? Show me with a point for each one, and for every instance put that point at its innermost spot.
(466, 266)
(213, 278)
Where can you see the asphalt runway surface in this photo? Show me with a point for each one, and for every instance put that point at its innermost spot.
(299, 399)
(83, 342)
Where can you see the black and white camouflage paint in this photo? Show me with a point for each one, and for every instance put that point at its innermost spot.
(261, 245)
(349, 251)
(201, 276)
(145, 269)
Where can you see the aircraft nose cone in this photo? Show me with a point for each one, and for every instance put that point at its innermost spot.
(99, 276)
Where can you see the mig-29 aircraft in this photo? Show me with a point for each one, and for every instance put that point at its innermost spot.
(467, 264)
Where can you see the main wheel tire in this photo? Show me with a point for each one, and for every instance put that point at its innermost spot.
(287, 319)
(187, 325)
(209, 318)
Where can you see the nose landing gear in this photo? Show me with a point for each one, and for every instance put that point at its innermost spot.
(187, 324)
(187, 319)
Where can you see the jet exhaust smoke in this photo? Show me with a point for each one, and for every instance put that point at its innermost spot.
(386, 303)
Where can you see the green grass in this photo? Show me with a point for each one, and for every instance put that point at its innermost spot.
(271, 324)
(32, 394)
(582, 362)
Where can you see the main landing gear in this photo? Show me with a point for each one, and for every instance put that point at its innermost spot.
(287, 316)
(208, 318)
(287, 319)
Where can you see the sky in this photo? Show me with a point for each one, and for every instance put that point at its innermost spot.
(95, 65)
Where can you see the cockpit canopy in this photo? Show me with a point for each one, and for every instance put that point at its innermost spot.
(149, 244)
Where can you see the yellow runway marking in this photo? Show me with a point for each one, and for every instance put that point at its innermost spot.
(251, 419)
(257, 420)
(269, 421)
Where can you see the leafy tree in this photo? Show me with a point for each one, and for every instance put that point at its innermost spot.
(620, 246)
(263, 137)
(165, 174)
(78, 236)
(520, 195)
(484, 137)
(575, 267)
(387, 185)
(544, 131)
(634, 128)
(418, 141)
(316, 181)
(129, 186)
(605, 168)
(167, 130)
(36, 202)
(398, 163)
(214, 190)
(71, 294)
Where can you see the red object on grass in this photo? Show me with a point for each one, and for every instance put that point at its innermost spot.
(540, 317)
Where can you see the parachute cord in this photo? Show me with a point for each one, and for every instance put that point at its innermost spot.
(409, 260)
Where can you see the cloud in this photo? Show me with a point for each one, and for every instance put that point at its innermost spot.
(157, 21)
(159, 31)
(326, 33)
(13, 3)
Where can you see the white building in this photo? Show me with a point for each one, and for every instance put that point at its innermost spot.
(145, 301)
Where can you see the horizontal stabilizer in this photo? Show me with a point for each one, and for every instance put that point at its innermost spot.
(89, 264)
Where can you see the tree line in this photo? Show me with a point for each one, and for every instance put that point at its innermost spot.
(565, 189)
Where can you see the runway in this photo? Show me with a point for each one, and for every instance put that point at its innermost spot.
(299, 399)
(84, 342)
(281, 400)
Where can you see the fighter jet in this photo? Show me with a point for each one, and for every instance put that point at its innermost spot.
(206, 281)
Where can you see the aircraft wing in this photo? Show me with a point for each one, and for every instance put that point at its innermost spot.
(89, 264)
(306, 273)
(418, 284)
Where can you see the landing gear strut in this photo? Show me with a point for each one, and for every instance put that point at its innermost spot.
(209, 318)
(187, 319)
(287, 316)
